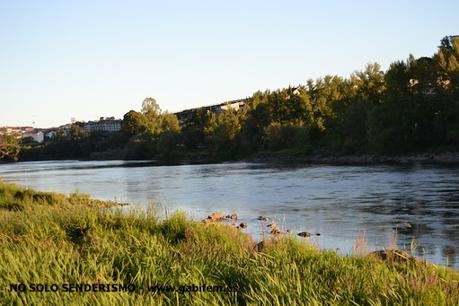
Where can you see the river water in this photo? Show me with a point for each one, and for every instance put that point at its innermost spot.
(342, 203)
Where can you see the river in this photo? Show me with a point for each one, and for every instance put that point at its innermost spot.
(342, 203)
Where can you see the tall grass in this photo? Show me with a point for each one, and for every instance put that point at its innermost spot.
(51, 238)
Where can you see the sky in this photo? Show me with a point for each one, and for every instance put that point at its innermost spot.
(86, 59)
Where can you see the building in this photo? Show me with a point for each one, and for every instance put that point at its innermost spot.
(234, 105)
(15, 131)
(184, 115)
(107, 124)
(35, 135)
(50, 133)
(65, 130)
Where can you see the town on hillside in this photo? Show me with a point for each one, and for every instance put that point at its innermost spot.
(104, 124)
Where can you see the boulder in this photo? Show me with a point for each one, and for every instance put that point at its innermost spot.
(216, 216)
(232, 217)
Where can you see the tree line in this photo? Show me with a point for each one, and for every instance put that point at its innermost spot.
(412, 107)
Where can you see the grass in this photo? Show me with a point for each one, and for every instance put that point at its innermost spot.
(50, 238)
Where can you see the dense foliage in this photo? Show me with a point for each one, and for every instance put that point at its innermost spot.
(9, 148)
(49, 238)
(412, 107)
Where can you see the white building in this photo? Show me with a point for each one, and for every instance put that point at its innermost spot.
(234, 106)
(104, 124)
(51, 134)
(37, 136)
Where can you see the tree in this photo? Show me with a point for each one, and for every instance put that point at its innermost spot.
(198, 128)
(224, 133)
(152, 113)
(133, 122)
(167, 145)
(76, 131)
(447, 61)
(284, 136)
(370, 82)
(150, 107)
(397, 78)
(9, 148)
(169, 122)
(228, 126)
(258, 117)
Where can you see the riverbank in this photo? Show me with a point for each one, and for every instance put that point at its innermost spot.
(73, 242)
(289, 156)
(447, 158)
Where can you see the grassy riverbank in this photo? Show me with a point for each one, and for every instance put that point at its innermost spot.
(49, 238)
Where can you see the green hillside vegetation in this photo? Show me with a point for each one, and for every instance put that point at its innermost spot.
(412, 107)
(51, 238)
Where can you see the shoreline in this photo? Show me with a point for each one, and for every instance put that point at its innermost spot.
(447, 158)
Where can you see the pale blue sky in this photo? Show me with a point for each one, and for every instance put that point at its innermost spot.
(86, 59)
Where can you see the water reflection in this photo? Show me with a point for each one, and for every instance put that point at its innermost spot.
(421, 203)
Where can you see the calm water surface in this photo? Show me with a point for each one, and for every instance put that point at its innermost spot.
(341, 203)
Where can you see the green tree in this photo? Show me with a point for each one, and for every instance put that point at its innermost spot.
(150, 107)
(279, 136)
(196, 131)
(370, 82)
(169, 123)
(447, 57)
(152, 113)
(76, 131)
(257, 118)
(224, 134)
(227, 128)
(167, 145)
(133, 122)
(9, 148)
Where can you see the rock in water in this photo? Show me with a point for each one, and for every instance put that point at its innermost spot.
(232, 217)
(216, 216)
